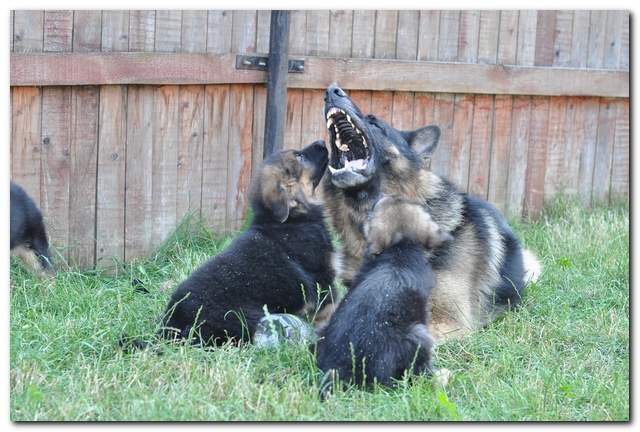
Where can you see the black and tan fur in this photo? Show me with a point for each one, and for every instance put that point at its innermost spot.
(28, 235)
(282, 261)
(379, 330)
(480, 274)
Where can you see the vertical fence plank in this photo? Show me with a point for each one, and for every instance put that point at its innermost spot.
(580, 39)
(460, 156)
(562, 38)
(448, 38)
(110, 194)
(402, 110)
(589, 122)
(423, 108)
(537, 156)
(364, 25)
(215, 154)
(87, 27)
(527, 25)
(624, 51)
(613, 39)
(384, 45)
(508, 37)
(557, 146)
(28, 31)
(499, 163)
(620, 165)
(115, 31)
(443, 116)
(297, 32)
(481, 146)
(314, 127)
(428, 35)
(597, 39)
(219, 25)
(26, 141)
(293, 119)
(604, 151)
(56, 158)
(83, 175)
(194, 31)
(317, 32)
(570, 148)
(164, 173)
(239, 157)
(518, 149)
(488, 36)
(259, 118)
(243, 31)
(468, 36)
(340, 33)
(168, 31)
(58, 30)
(382, 104)
(407, 39)
(139, 168)
(545, 29)
(263, 31)
(193, 142)
(142, 30)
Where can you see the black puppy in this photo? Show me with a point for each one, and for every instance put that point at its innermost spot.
(283, 260)
(28, 235)
(379, 330)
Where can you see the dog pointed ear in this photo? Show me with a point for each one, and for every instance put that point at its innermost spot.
(424, 140)
(437, 237)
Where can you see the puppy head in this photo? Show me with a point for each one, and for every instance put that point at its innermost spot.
(395, 218)
(286, 181)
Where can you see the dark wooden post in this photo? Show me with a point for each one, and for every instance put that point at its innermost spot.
(278, 66)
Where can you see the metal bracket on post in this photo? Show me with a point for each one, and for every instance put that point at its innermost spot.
(261, 63)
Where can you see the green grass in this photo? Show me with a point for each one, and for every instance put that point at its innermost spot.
(562, 356)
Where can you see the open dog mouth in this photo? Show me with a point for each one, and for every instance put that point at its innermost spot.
(353, 152)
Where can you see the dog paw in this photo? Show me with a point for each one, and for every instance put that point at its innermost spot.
(443, 376)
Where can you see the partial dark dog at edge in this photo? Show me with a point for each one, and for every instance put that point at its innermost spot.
(283, 260)
(28, 235)
(379, 330)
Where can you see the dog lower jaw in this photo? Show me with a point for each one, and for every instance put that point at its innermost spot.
(348, 178)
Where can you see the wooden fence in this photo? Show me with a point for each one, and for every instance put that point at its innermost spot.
(122, 121)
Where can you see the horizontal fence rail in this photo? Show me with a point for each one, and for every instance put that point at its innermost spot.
(49, 69)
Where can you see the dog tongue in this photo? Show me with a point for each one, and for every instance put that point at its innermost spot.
(356, 164)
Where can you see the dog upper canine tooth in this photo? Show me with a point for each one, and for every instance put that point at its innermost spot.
(332, 169)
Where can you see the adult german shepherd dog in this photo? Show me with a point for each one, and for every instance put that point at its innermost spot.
(379, 329)
(28, 234)
(283, 260)
(479, 274)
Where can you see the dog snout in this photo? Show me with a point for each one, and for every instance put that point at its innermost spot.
(333, 93)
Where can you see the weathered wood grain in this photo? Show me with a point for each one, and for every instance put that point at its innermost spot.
(194, 142)
(357, 74)
(85, 102)
(56, 158)
(111, 180)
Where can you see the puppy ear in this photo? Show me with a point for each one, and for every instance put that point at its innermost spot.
(278, 201)
(437, 237)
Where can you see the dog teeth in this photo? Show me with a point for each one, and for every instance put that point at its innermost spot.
(332, 169)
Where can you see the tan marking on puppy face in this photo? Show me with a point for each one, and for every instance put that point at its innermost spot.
(394, 218)
(286, 185)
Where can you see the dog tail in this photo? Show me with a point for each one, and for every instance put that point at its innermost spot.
(532, 266)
